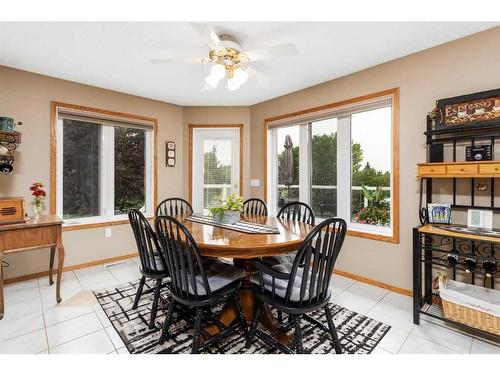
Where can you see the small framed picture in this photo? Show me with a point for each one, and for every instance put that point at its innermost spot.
(480, 219)
(439, 213)
(170, 154)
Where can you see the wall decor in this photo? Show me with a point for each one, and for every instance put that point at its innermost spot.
(171, 154)
(473, 110)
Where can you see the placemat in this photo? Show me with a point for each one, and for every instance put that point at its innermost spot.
(240, 226)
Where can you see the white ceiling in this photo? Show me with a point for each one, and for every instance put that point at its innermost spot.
(114, 55)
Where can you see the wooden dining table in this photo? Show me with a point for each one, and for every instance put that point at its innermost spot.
(242, 248)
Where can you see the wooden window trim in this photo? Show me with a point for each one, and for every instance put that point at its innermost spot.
(209, 126)
(53, 159)
(394, 93)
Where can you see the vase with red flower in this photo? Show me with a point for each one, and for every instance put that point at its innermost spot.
(37, 190)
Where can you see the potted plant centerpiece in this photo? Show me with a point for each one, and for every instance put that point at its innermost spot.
(228, 211)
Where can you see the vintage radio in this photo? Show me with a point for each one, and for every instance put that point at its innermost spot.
(12, 210)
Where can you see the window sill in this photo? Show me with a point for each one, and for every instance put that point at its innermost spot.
(373, 236)
(72, 225)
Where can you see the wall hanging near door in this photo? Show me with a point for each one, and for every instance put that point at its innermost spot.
(170, 154)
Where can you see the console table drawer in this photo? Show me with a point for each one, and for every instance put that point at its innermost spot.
(431, 169)
(489, 169)
(464, 169)
(28, 238)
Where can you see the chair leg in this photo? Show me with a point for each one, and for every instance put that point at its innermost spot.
(243, 320)
(154, 309)
(197, 332)
(333, 331)
(168, 318)
(280, 317)
(255, 322)
(298, 336)
(139, 292)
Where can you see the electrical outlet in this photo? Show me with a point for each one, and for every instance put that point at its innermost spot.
(107, 232)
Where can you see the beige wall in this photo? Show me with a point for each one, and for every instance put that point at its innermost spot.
(218, 116)
(26, 97)
(464, 66)
(460, 67)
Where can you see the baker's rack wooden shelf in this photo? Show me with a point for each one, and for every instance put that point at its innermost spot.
(432, 243)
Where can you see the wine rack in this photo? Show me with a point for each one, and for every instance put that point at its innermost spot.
(468, 258)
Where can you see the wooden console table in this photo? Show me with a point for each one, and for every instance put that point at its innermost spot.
(45, 232)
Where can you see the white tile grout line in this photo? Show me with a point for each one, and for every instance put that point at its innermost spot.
(43, 316)
(79, 337)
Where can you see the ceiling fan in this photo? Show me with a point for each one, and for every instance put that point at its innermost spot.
(229, 60)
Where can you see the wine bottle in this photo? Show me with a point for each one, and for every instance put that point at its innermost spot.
(470, 264)
(489, 267)
(452, 258)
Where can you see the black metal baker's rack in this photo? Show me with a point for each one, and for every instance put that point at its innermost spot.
(431, 247)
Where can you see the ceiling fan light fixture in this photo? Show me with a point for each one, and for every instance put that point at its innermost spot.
(212, 81)
(233, 84)
(218, 71)
(240, 75)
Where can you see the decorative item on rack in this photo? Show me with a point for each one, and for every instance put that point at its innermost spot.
(9, 142)
(39, 193)
(482, 186)
(473, 110)
(171, 154)
(436, 115)
(480, 219)
(439, 213)
(478, 153)
(228, 211)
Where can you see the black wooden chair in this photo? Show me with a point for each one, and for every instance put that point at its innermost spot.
(299, 211)
(174, 207)
(302, 289)
(196, 282)
(255, 206)
(153, 265)
(293, 211)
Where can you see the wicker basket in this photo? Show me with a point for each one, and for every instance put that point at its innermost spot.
(470, 317)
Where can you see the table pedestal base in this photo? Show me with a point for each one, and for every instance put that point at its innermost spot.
(229, 312)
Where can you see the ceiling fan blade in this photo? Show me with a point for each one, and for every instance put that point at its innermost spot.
(206, 34)
(180, 60)
(262, 79)
(282, 50)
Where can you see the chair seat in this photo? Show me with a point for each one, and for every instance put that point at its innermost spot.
(219, 275)
(283, 259)
(281, 285)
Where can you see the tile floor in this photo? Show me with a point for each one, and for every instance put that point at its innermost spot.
(34, 323)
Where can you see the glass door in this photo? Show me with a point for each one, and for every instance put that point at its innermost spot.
(216, 166)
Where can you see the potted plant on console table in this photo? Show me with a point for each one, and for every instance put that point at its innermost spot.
(228, 211)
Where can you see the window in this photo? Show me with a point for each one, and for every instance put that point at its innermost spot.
(104, 165)
(344, 164)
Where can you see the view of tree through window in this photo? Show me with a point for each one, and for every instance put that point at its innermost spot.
(217, 172)
(371, 177)
(130, 161)
(103, 169)
(81, 145)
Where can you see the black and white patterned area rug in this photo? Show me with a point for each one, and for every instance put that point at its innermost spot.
(358, 334)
